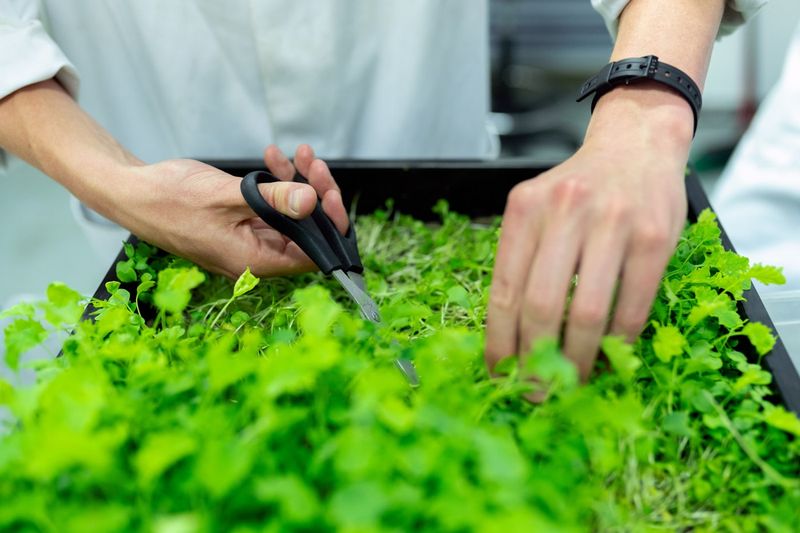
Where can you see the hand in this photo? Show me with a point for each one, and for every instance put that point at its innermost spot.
(612, 213)
(197, 211)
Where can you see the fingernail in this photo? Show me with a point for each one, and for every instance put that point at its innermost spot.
(295, 198)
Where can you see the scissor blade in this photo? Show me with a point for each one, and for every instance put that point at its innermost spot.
(409, 371)
(358, 279)
(369, 308)
(353, 283)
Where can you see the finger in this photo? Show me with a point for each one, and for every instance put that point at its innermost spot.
(598, 274)
(303, 157)
(268, 253)
(319, 175)
(334, 208)
(278, 164)
(546, 290)
(554, 264)
(251, 244)
(296, 200)
(278, 256)
(518, 240)
(641, 276)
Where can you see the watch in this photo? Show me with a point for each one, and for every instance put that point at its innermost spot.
(637, 69)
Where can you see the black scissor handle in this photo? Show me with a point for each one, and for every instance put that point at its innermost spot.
(316, 235)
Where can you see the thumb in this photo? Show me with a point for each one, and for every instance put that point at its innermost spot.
(296, 200)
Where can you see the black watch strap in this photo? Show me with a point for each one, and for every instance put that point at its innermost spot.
(628, 71)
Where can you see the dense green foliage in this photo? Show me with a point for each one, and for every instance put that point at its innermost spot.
(259, 407)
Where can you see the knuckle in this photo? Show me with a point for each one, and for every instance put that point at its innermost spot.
(540, 308)
(588, 315)
(570, 192)
(617, 213)
(277, 195)
(503, 296)
(631, 323)
(651, 236)
(520, 199)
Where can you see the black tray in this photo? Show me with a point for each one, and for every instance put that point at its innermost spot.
(478, 189)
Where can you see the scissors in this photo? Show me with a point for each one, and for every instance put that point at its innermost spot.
(335, 254)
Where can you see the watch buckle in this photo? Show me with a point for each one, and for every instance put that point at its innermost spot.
(651, 66)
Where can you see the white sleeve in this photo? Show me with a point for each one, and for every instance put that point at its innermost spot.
(28, 54)
(737, 12)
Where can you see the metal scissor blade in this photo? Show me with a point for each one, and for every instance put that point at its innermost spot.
(368, 307)
(358, 279)
(409, 371)
(353, 283)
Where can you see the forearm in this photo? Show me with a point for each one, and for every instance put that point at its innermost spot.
(44, 126)
(679, 32)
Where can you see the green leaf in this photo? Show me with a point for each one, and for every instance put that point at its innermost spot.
(20, 336)
(768, 275)
(177, 523)
(159, 452)
(173, 291)
(459, 295)
(778, 417)
(296, 500)
(145, 284)
(759, 336)
(621, 356)
(63, 306)
(668, 342)
(707, 217)
(99, 518)
(677, 423)
(358, 506)
(226, 367)
(728, 316)
(702, 358)
(6, 392)
(711, 303)
(113, 319)
(21, 309)
(222, 464)
(317, 310)
(752, 375)
(546, 362)
(246, 283)
(125, 271)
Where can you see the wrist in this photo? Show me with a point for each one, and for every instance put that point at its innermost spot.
(649, 112)
(108, 187)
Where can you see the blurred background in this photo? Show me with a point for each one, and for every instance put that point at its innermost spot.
(541, 51)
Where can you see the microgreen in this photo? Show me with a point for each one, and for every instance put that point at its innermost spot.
(200, 404)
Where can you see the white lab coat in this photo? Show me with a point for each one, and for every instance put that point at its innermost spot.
(211, 79)
(204, 78)
(758, 195)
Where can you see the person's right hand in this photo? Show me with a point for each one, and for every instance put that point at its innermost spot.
(197, 212)
(612, 214)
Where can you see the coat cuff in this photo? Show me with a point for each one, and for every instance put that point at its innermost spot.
(28, 55)
(737, 12)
